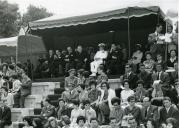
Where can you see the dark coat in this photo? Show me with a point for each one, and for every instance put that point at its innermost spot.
(26, 88)
(132, 78)
(5, 117)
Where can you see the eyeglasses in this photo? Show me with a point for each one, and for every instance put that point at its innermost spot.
(126, 67)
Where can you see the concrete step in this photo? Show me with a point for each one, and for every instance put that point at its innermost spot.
(33, 101)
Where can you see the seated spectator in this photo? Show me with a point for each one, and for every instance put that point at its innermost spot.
(99, 58)
(148, 112)
(149, 62)
(174, 75)
(160, 60)
(11, 70)
(69, 59)
(150, 124)
(168, 111)
(145, 76)
(81, 79)
(70, 94)
(132, 123)
(37, 123)
(52, 123)
(171, 123)
(140, 91)
(117, 112)
(65, 122)
(131, 76)
(102, 77)
(27, 122)
(86, 79)
(172, 59)
(94, 123)
(113, 122)
(1, 80)
(81, 58)
(62, 109)
(5, 115)
(132, 110)
(75, 113)
(25, 89)
(88, 112)
(71, 79)
(114, 60)
(157, 93)
(127, 92)
(48, 110)
(81, 122)
(83, 95)
(7, 97)
(16, 90)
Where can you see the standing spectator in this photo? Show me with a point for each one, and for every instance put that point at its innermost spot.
(88, 112)
(94, 123)
(102, 77)
(30, 68)
(62, 109)
(5, 115)
(16, 90)
(45, 69)
(60, 59)
(131, 76)
(50, 59)
(99, 58)
(81, 58)
(168, 111)
(69, 59)
(71, 79)
(132, 109)
(117, 112)
(25, 89)
(56, 63)
(127, 92)
(156, 40)
(172, 59)
(7, 97)
(149, 62)
(114, 60)
(48, 110)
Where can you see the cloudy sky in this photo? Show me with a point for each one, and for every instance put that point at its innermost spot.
(77, 7)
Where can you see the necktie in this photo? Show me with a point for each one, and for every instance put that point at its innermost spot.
(158, 76)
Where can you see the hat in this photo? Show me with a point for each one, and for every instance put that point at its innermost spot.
(101, 45)
(71, 70)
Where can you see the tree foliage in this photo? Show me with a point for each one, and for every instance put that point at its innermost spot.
(34, 13)
(8, 19)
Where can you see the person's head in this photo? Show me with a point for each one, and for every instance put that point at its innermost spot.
(52, 122)
(131, 100)
(94, 123)
(93, 84)
(86, 74)
(46, 102)
(72, 72)
(100, 69)
(101, 46)
(171, 123)
(81, 120)
(61, 102)
(86, 103)
(50, 52)
(138, 47)
(104, 85)
(146, 102)
(142, 67)
(159, 67)
(82, 87)
(27, 121)
(128, 67)
(177, 84)
(172, 53)
(113, 122)
(169, 28)
(75, 104)
(58, 52)
(65, 120)
(148, 55)
(69, 49)
(80, 73)
(70, 86)
(132, 122)
(4, 90)
(150, 123)
(115, 102)
(167, 102)
(126, 84)
(159, 28)
(159, 57)
(79, 48)
(37, 123)
(113, 46)
(140, 84)
(4, 67)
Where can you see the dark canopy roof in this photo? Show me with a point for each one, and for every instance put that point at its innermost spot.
(56, 22)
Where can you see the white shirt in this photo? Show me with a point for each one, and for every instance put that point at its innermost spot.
(101, 55)
(125, 94)
(168, 38)
(16, 85)
(9, 100)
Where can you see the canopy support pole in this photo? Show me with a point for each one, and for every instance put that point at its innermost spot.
(128, 32)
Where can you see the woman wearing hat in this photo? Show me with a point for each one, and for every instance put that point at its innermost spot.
(98, 59)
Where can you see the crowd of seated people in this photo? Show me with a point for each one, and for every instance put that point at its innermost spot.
(148, 96)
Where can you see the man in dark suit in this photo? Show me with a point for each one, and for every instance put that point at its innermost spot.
(5, 115)
(149, 111)
(131, 76)
(155, 41)
(168, 111)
